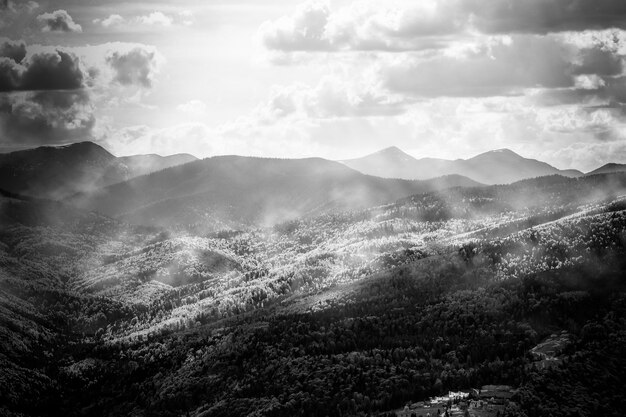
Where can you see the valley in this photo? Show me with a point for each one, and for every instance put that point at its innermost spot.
(347, 311)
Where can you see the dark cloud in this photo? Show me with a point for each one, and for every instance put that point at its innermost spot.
(53, 71)
(47, 97)
(543, 16)
(46, 117)
(15, 16)
(599, 61)
(58, 21)
(10, 75)
(134, 67)
(14, 50)
(56, 70)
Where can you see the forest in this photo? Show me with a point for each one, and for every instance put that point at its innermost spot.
(348, 313)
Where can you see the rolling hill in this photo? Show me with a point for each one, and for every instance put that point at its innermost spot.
(59, 171)
(608, 168)
(494, 167)
(232, 191)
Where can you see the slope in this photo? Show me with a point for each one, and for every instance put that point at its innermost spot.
(232, 191)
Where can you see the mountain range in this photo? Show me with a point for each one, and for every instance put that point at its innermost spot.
(234, 191)
(500, 166)
(231, 192)
(366, 295)
(57, 172)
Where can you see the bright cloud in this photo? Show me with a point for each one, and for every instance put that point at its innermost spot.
(58, 21)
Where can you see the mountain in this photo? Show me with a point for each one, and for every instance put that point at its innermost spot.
(145, 164)
(392, 162)
(59, 171)
(230, 191)
(102, 318)
(504, 166)
(55, 172)
(608, 168)
(494, 167)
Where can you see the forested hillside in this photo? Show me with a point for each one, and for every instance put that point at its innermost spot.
(347, 313)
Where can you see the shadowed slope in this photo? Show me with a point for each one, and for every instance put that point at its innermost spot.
(230, 191)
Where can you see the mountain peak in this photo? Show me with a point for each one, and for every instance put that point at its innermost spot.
(499, 153)
(392, 151)
(76, 145)
(392, 154)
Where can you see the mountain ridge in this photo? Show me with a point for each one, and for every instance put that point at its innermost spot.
(491, 167)
(608, 168)
(60, 171)
(234, 191)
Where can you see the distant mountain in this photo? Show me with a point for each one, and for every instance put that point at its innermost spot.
(145, 164)
(504, 166)
(608, 168)
(392, 162)
(495, 167)
(57, 172)
(232, 191)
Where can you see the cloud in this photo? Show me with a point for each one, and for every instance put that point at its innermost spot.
(334, 96)
(156, 18)
(16, 50)
(152, 20)
(112, 20)
(500, 66)
(543, 16)
(52, 71)
(50, 95)
(304, 30)
(10, 75)
(186, 17)
(46, 117)
(18, 6)
(13, 13)
(195, 108)
(58, 70)
(65, 68)
(137, 66)
(429, 24)
(239, 138)
(58, 21)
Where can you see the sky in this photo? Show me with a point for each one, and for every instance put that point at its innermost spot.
(335, 79)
